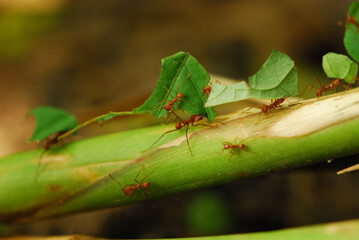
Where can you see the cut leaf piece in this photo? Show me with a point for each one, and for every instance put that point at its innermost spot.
(50, 120)
(181, 73)
(277, 78)
(351, 37)
(340, 66)
(222, 94)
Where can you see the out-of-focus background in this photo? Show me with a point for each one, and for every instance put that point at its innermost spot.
(91, 57)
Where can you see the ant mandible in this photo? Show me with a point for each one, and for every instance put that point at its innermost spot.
(180, 124)
(131, 188)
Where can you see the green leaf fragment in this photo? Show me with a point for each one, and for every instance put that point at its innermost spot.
(340, 66)
(222, 94)
(277, 78)
(351, 37)
(50, 120)
(181, 73)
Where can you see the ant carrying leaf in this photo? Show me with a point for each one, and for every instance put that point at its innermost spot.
(50, 121)
(180, 86)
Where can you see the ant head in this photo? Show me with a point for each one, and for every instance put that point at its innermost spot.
(264, 108)
(146, 184)
(336, 82)
(168, 107)
(178, 125)
(198, 118)
(226, 146)
(127, 190)
(242, 146)
(47, 146)
(180, 95)
(207, 89)
(319, 92)
(202, 115)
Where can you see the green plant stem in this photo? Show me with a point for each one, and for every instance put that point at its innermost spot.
(75, 178)
(100, 118)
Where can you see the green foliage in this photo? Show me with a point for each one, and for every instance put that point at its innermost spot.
(351, 37)
(277, 78)
(181, 73)
(50, 120)
(222, 94)
(340, 66)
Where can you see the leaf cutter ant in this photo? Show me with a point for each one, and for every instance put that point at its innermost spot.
(180, 124)
(132, 188)
(326, 88)
(169, 106)
(233, 147)
(266, 107)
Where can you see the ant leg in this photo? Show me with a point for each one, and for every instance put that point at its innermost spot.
(177, 88)
(169, 93)
(177, 116)
(247, 110)
(161, 103)
(206, 125)
(114, 179)
(248, 151)
(346, 87)
(258, 118)
(309, 86)
(38, 165)
(183, 82)
(143, 179)
(159, 139)
(188, 141)
(138, 174)
(232, 151)
(281, 108)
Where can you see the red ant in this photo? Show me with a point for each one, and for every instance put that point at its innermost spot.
(233, 147)
(179, 97)
(207, 90)
(49, 142)
(274, 104)
(326, 88)
(180, 124)
(131, 188)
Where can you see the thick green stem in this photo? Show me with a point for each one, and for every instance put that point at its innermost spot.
(75, 178)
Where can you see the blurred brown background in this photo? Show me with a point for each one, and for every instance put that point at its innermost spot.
(91, 57)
